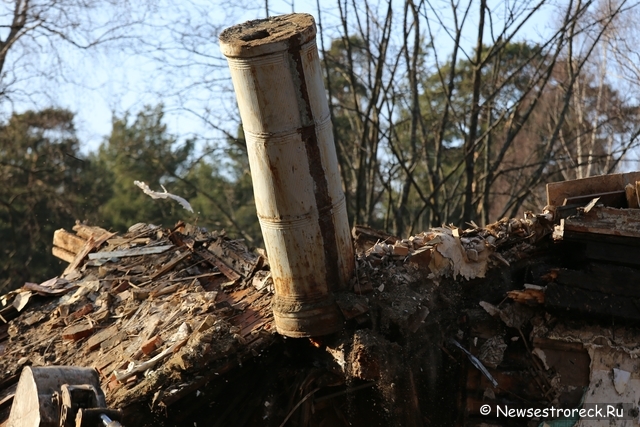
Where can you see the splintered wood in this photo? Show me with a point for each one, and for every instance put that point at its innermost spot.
(179, 321)
(151, 302)
(451, 251)
(66, 245)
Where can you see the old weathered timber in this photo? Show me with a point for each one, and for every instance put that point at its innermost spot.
(558, 192)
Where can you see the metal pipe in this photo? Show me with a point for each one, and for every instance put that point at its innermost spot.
(276, 74)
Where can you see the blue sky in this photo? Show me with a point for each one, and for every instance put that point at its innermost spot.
(121, 77)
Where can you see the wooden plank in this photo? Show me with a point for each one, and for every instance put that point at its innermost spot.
(604, 220)
(527, 296)
(131, 252)
(217, 262)
(616, 199)
(603, 247)
(63, 254)
(67, 241)
(89, 245)
(612, 279)
(557, 192)
(581, 238)
(95, 340)
(590, 302)
(237, 256)
(180, 240)
(632, 197)
(613, 253)
(48, 290)
(236, 298)
(116, 241)
(170, 265)
(88, 231)
(109, 357)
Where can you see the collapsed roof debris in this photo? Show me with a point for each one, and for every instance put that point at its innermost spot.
(436, 325)
(149, 311)
(452, 252)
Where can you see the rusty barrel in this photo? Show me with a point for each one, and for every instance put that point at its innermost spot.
(278, 83)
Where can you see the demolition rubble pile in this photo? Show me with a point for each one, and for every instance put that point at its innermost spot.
(162, 313)
(157, 312)
(535, 319)
(530, 313)
(453, 252)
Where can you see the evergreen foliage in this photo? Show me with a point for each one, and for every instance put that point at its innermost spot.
(46, 184)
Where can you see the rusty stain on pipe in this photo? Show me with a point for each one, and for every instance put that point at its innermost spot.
(279, 86)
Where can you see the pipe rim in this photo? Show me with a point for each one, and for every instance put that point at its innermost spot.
(267, 36)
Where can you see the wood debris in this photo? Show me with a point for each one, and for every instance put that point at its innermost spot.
(453, 252)
(139, 307)
(436, 325)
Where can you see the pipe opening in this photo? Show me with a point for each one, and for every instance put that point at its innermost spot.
(257, 35)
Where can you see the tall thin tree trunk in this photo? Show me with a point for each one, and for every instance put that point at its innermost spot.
(470, 142)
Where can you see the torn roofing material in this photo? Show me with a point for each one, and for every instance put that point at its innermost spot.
(181, 329)
(162, 313)
(152, 311)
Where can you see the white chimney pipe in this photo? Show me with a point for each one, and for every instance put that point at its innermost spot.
(278, 82)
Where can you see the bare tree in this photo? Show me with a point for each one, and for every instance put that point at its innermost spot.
(570, 125)
(425, 139)
(38, 38)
